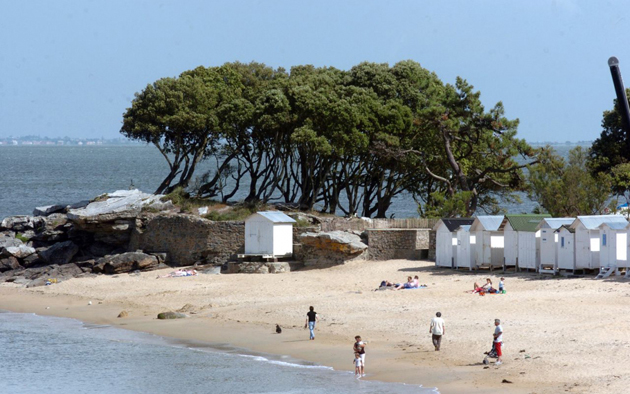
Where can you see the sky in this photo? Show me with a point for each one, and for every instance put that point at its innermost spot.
(71, 68)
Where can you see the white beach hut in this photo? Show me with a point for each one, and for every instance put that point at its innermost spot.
(546, 243)
(565, 248)
(614, 245)
(587, 239)
(520, 235)
(446, 240)
(463, 255)
(488, 248)
(269, 234)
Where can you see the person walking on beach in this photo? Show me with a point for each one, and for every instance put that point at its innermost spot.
(498, 340)
(359, 347)
(311, 318)
(437, 329)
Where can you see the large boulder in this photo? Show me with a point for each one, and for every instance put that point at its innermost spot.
(20, 252)
(60, 253)
(121, 204)
(9, 264)
(329, 248)
(126, 262)
(335, 241)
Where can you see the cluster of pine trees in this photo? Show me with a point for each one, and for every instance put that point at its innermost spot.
(331, 139)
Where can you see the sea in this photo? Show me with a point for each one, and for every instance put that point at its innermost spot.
(42, 354)
(34, 175)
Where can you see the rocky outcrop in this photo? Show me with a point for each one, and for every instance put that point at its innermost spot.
(22, 223)
(126, 262)
(119, 205)
(47, 210)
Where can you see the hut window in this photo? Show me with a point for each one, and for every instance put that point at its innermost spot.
(604, 239)
(594, 244)
(454, 242)
(555, 238)
(496, 241)
(561, 241)
(473, 239)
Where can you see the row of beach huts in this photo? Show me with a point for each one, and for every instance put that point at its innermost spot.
(535, 242)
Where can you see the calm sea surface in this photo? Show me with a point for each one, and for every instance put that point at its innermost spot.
(32, 176)
(56, 355)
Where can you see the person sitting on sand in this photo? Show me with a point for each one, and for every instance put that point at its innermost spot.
(407, 285)
(483, 289)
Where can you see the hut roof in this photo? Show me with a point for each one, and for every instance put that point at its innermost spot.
(566, 227)
(527, 223)
(555, 223)
(275, 216)
(489, 223)
(592, 222)
(453, 223)
(615, 225)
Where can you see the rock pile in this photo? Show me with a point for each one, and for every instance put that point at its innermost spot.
(67, 241)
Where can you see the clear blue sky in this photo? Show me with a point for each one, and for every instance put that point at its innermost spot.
(71, 68)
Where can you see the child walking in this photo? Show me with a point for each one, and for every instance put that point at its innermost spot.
(357, 365)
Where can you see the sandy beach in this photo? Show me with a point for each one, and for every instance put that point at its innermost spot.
(560, 335)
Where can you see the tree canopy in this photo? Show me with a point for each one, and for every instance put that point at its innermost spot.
(330, 139)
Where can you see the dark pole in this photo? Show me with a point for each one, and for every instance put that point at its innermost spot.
(622, 100)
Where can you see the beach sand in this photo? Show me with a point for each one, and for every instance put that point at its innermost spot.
(560, 335)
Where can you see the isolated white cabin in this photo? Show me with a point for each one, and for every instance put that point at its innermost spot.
(488, 248)
(587, 239)
(546, 243)
(446, 240)
(565, 248)
(269, 233)
(520, 234)
(463, 253)
(614, 245)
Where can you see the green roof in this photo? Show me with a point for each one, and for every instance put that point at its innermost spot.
(524, 222)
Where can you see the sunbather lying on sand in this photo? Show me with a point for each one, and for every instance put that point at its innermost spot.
(180, 272)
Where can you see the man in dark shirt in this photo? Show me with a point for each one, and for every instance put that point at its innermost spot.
(311, 318)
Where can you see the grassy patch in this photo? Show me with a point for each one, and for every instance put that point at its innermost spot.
(236, 214)
(180, 198)
(22, 238)
(303, 223)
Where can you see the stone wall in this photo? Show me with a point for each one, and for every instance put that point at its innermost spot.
(187, 239)
(398, 244)
(432, 245)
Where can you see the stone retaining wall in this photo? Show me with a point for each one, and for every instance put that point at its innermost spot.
(187, 239)
(398, 244)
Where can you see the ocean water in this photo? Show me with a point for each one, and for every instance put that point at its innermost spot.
(43, 354)
(32, 176)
